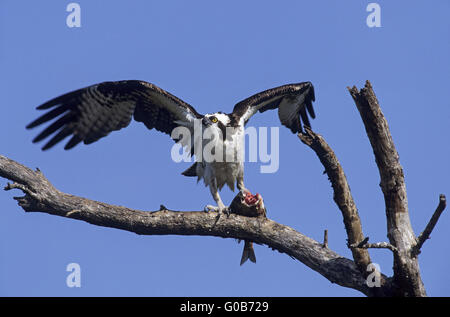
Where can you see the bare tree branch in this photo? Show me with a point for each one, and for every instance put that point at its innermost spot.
(342, 195)
(425, 235)
(41, 196)
(400, 233)
(325, 239)
(377, 245)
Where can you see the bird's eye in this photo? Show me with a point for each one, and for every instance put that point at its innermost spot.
(214, 119)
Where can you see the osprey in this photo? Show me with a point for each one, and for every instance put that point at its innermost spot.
(91, 113)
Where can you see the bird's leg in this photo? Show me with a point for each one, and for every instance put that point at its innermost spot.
(240, 185)
(220, 205)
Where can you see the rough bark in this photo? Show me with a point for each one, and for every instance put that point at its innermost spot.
(425, 235)
(41, 196)
(342, 195)
(407, 279)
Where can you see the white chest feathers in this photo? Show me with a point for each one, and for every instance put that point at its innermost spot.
(223, 160)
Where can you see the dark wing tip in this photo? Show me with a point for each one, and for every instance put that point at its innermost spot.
(301, 118)
(62, 134)
(312, 94)
(34, 123)
(43, 106)
(74, 141)
(31, 125)
(50, 115)
(309, 98)
(51, 103)
(86, 114)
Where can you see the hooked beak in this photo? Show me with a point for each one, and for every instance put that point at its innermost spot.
(206, 122)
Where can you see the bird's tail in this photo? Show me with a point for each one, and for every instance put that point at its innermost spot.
(191, 171)
(248, 252)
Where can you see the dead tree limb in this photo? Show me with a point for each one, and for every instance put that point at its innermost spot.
(325, 239)
(425, 235)
(406, 279)
(41, 196)
(377, 245)
(342, 195)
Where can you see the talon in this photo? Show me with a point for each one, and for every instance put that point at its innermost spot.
(224, 210)
(209, 208)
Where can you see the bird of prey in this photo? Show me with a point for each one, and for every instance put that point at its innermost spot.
(90, 113)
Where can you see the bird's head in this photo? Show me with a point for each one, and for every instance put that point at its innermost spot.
(217, 119)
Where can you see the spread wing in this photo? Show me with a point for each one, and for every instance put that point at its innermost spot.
(91, 113)
(294, 103)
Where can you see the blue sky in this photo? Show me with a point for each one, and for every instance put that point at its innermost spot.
(212, 55)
